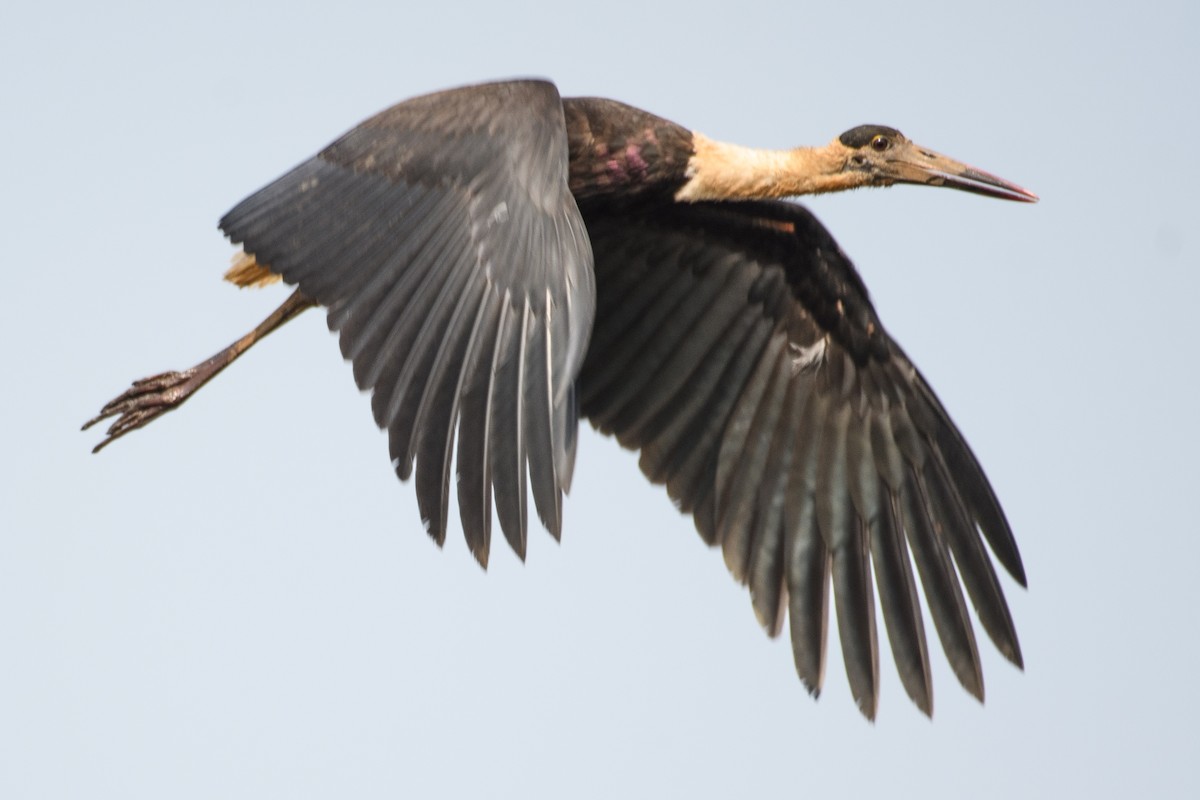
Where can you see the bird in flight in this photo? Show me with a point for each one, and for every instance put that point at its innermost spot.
(498, 260)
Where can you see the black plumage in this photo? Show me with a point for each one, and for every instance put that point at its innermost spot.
(776, 410)
(497, 261)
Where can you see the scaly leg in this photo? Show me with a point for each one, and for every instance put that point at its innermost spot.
(150, 398)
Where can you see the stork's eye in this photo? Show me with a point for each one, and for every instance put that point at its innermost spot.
(880, 143)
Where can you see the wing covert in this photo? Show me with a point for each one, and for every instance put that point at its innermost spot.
(736, 348)
(442, 238)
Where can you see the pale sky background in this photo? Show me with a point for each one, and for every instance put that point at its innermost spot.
(239, 601)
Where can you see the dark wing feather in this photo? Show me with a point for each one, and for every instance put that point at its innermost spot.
(736, 347)
(454, 263)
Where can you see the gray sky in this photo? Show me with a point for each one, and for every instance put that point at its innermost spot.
(240, 601)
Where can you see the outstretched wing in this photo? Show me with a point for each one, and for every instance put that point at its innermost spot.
(454, 263)
(735, 346)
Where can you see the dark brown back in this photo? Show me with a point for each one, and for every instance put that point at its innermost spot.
(617, 149)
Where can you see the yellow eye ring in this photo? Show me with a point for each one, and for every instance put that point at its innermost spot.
(880, 143)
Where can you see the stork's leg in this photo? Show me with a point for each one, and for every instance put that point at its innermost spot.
(150, 398)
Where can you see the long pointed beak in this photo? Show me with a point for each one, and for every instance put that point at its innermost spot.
(914, 164)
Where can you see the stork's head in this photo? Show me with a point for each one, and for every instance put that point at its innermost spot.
(882, 156)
